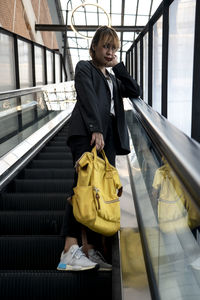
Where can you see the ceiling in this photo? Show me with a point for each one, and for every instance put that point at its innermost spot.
(123, 15)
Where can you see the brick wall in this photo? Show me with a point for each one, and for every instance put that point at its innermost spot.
(21, 25)
(6, 14)
(14, 18)
(43, 17)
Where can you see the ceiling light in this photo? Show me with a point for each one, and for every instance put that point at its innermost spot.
(83, 5)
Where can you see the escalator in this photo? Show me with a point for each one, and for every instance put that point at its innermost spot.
(32, 207)
(36, 174)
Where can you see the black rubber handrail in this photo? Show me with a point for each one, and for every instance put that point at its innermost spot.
(181, 151)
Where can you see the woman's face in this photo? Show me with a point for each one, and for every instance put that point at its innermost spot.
(104, 53)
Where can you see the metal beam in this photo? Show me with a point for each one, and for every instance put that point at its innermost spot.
(122, 24)
(58, 27)
(81, 48)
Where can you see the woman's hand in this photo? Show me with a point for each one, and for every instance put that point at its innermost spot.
(113, 62)
(97, 138)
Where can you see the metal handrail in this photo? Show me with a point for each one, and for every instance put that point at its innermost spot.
(19, 92)
(181, 151)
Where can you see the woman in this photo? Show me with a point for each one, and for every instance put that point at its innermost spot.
(97, 119)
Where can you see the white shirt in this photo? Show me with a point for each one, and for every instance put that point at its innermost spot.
(110, 83)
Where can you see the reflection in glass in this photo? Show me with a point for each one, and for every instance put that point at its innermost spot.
(171, 201)
(132, 261)
(170, 217)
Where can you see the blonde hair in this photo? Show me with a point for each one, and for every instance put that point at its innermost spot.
(106, 35)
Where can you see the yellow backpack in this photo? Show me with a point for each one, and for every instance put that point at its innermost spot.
(95, 200)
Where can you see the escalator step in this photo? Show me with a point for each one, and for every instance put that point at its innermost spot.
(62, 133)
(51, 164)
(31, 222)
(43, 185)
(30, 252)
(56, 149)
(59, 138)
(48, 173)
(54, 156)
(37, 201)
(52, 285)
(57, 143)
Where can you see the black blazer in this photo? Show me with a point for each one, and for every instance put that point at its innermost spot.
(92, 109)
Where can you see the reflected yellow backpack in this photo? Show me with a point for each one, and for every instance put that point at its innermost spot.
(172, 214)
(95, 200)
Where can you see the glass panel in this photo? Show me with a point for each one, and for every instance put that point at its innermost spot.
(39, 65)
(138, 62)
(25, 64)
(28, 106)
(180, 63)
(8, 124)
(22, 116)
(49, 55)
(19, 121)
(157, 65)
(145, 68)
(7, 63)
(169, 215)
(57, 67)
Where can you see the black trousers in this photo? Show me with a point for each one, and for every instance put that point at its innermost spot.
(79, 145)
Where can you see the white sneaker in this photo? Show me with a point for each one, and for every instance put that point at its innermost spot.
(75, 260)
(96, 257)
